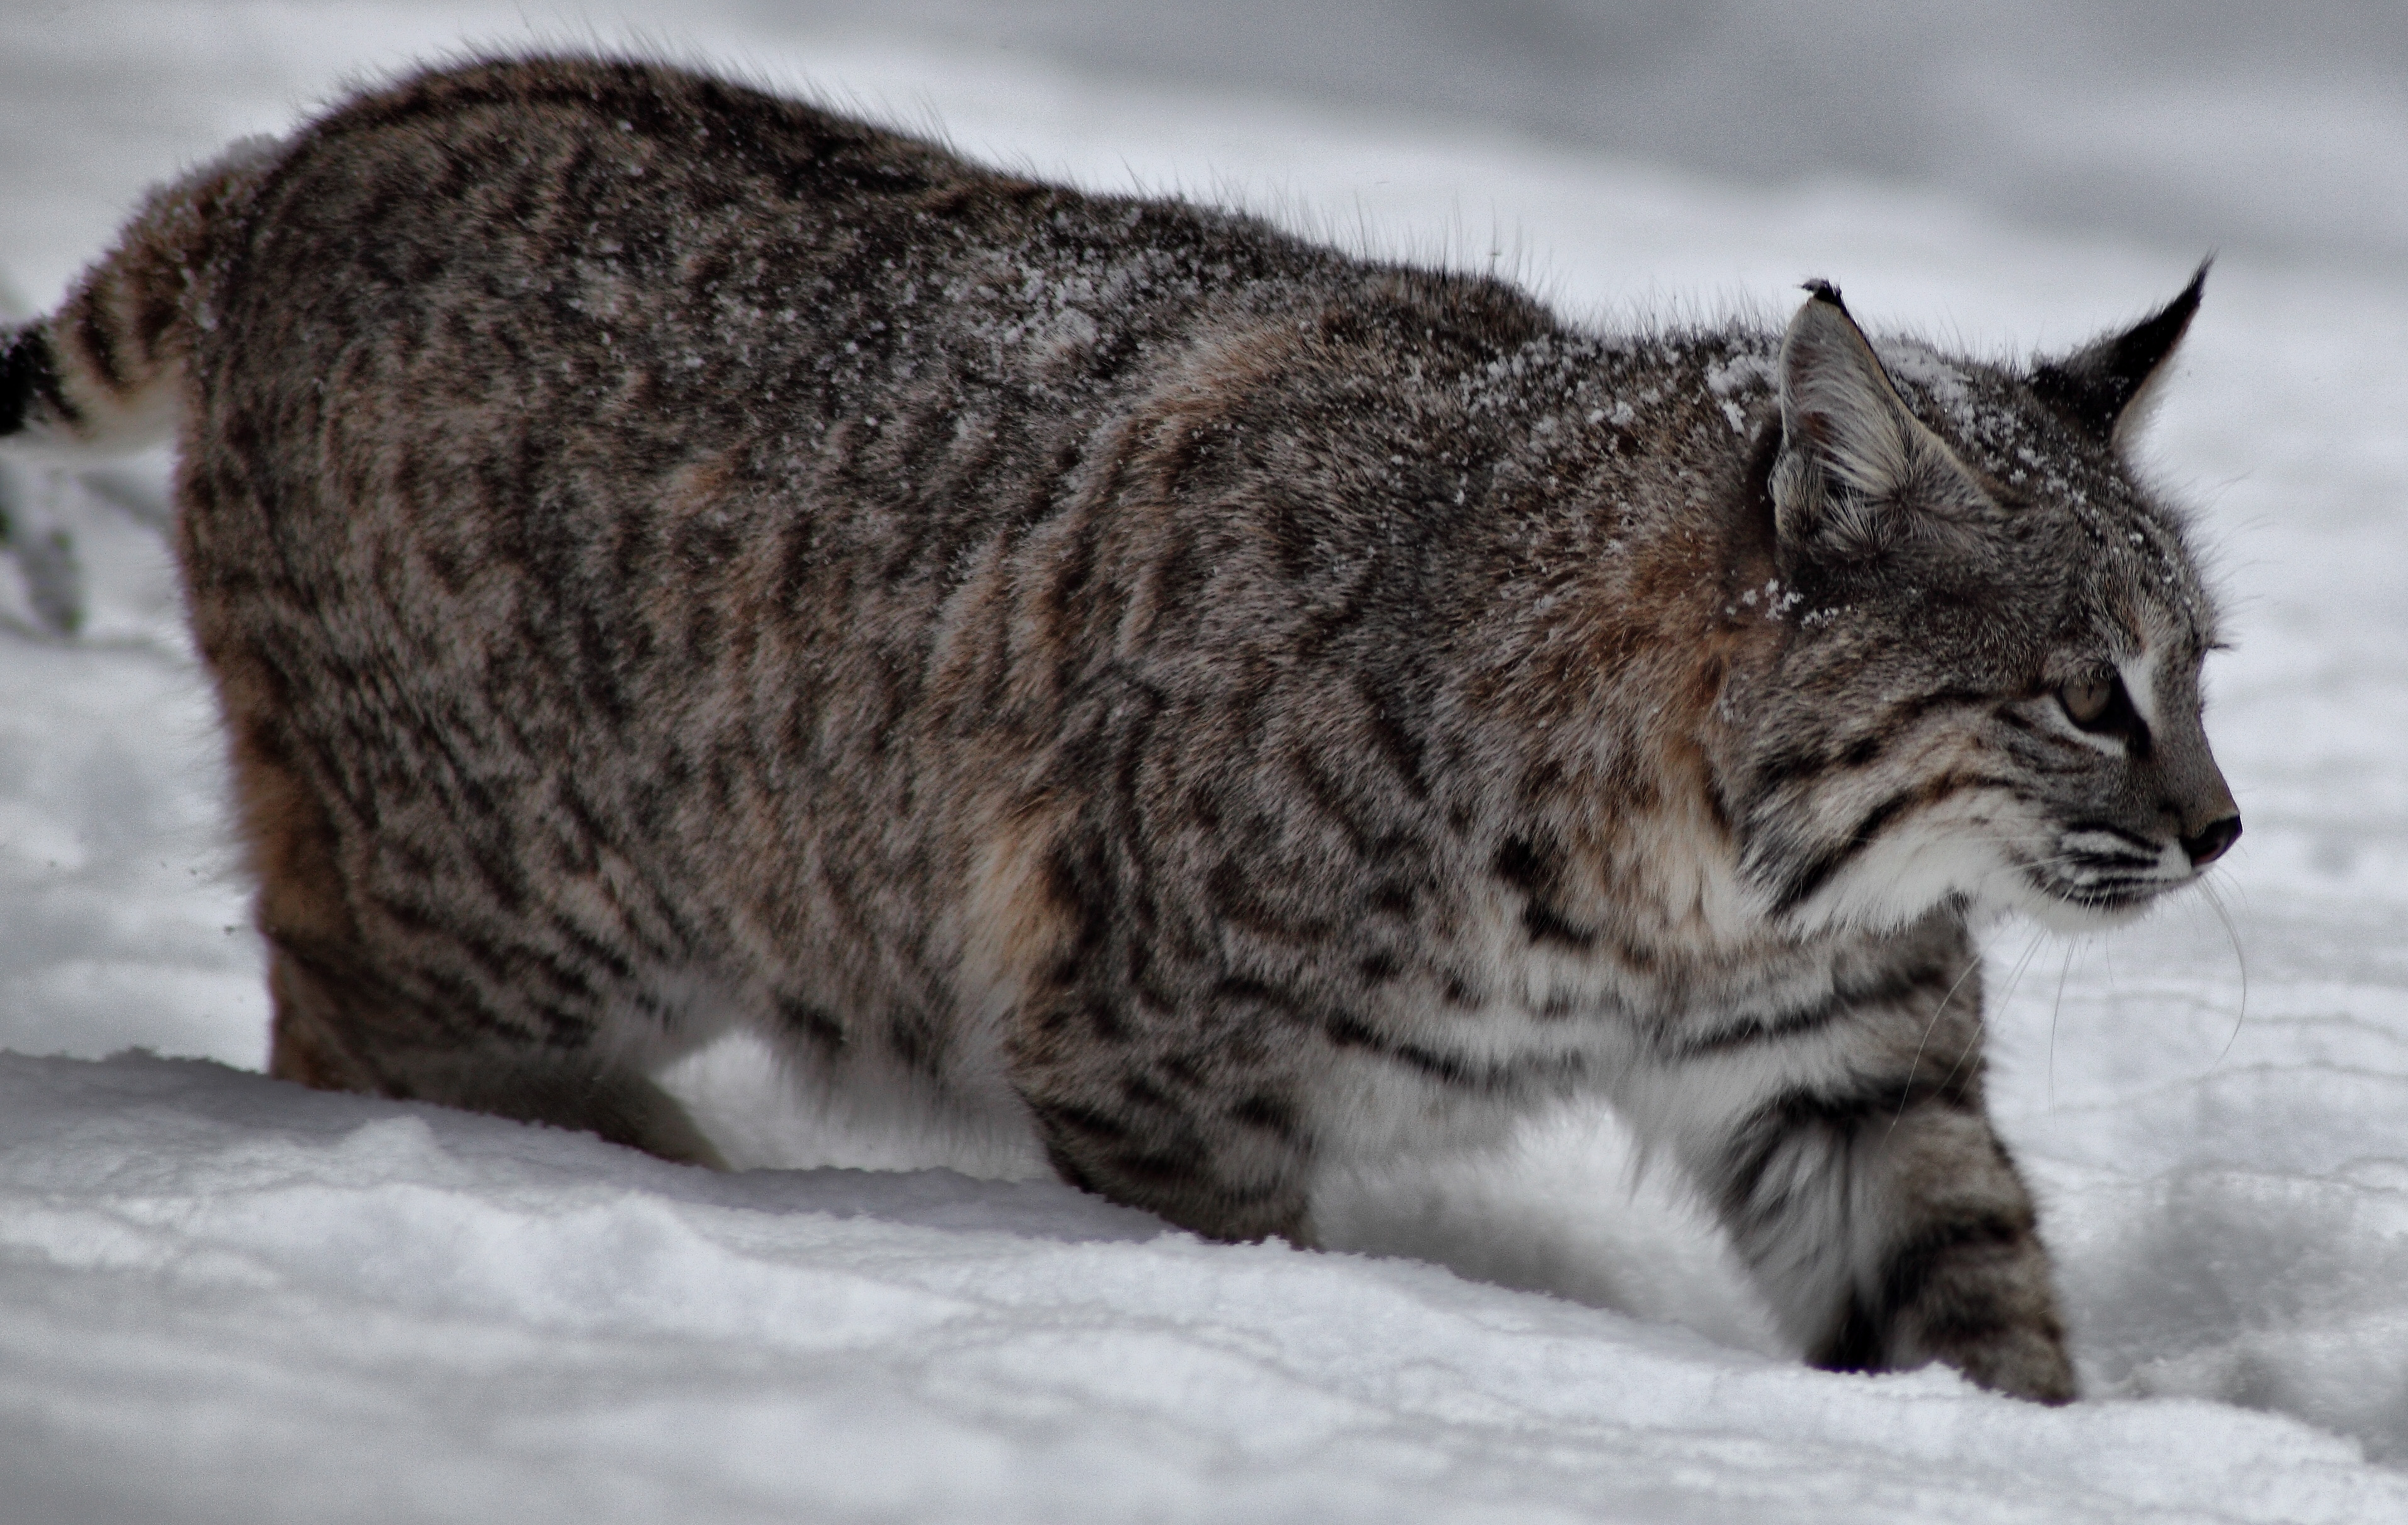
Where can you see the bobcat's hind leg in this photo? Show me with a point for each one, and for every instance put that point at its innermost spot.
(339, 1024)
(343, 1037)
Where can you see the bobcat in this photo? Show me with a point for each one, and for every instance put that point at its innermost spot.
(673, 558)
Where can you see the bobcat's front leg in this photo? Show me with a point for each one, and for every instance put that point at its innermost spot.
(1867, 1191)
(1893, 1235)
(1182, 1117)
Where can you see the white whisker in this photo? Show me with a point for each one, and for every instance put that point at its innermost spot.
(2232, 934)
(1972, 966)
(2055, 1010)
(1973, 1040)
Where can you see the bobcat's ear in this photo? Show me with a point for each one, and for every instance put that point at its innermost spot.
(2106, 387)
(1857, 470)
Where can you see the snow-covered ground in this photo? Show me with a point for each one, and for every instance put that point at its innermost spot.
(222, 1298)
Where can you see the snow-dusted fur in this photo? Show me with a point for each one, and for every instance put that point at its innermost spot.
(673, 558)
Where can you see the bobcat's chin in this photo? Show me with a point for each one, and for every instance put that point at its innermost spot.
(2059, 914)
(2063, 891)
(2074, 897)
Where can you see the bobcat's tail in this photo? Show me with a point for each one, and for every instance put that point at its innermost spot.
(105, 372)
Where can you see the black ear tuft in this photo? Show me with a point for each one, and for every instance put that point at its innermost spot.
(1857, 470)
(2095, 386)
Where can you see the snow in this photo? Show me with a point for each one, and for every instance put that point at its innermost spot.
(223, 1297)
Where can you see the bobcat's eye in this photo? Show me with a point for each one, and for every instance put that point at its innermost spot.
(2097, 704)
(2084, 702)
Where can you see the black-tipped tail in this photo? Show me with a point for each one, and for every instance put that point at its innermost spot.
(29, 380)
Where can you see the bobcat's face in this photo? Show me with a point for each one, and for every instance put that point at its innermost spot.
(1989, 691)
(2127, 800)
(1949, 747)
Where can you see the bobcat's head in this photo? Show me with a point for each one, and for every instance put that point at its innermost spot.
(1988, 684)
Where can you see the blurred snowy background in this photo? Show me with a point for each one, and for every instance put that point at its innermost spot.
(222, 1298)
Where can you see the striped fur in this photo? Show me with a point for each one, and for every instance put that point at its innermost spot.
(673, 559)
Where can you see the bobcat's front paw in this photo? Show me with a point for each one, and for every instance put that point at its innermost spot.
(1982, 1302)
(2024, 1362)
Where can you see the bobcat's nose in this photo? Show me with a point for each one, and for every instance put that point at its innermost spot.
(2211, 841)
